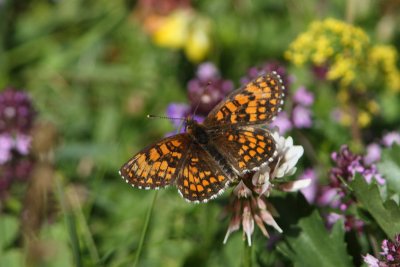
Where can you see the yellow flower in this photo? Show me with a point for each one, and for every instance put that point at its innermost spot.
(384, 58)
(198, 43)
(331, 41)
(173, 32)
(364, 119)
(183, 29)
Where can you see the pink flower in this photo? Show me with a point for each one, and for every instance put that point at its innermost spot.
(303, 97)
(391, 138)
(301, 117)
(282, 122)
(310, 192)
(6, 144)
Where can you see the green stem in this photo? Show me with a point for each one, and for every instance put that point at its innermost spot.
(247, 262)
(145, 228)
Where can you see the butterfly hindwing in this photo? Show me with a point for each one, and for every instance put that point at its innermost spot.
(256, 103)
(157, 165)
(245, 148)
(200, 177)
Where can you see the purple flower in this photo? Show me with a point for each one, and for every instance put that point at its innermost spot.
(373, 153)
(207, 72)
(320, 72)
(301, 117)
(16, 120)
(205, 95)
(282, 122)
(303, 97)
(310, 192)
(348, 164)
(207, 89)
(328, 196)
(6, 144)
(177, 110)
(22, 143)
(337, 194)
(390, 255)
(391, 138)
(16, 112)
(391, 250)
(371, 261)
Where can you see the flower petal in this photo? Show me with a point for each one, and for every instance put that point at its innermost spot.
(295, 185)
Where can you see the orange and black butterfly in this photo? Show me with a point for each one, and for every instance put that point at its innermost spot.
(230, 142)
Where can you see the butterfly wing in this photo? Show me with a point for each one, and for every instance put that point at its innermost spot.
(157, 165)
(200, 178)
(256, 103)
(245, 148)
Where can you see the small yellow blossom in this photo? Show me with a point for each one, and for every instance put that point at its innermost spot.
(345, 119)
(198, 43)
(173, 32)
(373, 107)
(183, 29)
(383, 58)
(331, 41)
(364, 119)
(353, 62)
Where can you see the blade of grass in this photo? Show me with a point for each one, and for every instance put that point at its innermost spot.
(145, 228)
(70, 223)
(87, 235)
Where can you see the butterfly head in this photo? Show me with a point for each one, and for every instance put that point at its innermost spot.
(190, 123)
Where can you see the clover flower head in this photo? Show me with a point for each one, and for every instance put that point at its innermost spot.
(249, 203)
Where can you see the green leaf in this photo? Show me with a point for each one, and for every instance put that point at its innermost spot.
(389, 167)
(8, 230)
(314, 246)
(12, 258)
(386, 214)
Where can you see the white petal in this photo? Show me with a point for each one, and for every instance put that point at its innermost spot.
(295, 185)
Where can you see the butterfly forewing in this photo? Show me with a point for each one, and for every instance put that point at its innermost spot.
(256, 103)
(246, 148)
(200, 177)
(157, 166)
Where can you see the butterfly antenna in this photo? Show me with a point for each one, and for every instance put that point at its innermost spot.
(164, 117)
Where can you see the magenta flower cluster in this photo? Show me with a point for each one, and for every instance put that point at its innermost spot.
(16, 119)
(390, 255)
(336, 195)
(204, 91)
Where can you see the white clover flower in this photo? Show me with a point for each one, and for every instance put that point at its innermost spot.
(250, 203)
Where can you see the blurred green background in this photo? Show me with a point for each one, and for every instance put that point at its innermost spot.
(94, 71)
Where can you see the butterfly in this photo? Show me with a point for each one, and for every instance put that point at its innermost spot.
(208, 156)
